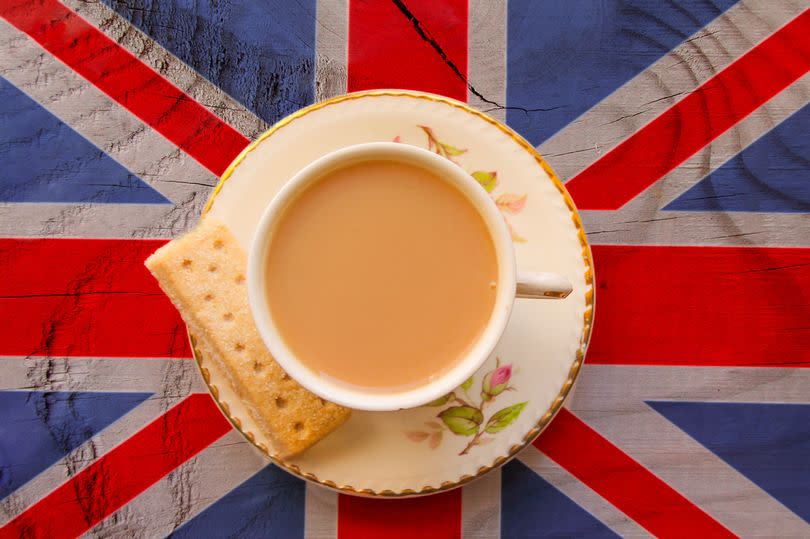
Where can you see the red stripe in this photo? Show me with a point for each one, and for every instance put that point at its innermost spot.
(622, 481)
(696, 120)
(69, 297)
(127, 80)
(387, 51)
(123, 473)
(729, 306)
(436, 516)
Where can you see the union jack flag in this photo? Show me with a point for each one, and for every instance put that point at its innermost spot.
(681, 127)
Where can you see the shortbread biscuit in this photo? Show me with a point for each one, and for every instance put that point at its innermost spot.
(203, 273)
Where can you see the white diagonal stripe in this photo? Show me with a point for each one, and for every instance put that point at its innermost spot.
(169, 66)
(642, 221)
(698, 474)
(171, 380)
(611, 400)
(119, 134)
(85, 454)
(668, 80)
(185, 492)
(583, 496)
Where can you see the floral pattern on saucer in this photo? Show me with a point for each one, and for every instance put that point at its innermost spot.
(508, 203)
(371, 455)
(466, 418)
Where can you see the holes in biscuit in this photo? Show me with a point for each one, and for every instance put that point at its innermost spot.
(298, 426)
(218, 244)
(257, 366)
(208, 297)
(280, 402)
(239, 347)
(212, 268)
(323, 402)
(239, 279)
(227, 316)
(285, 376)
(186, 263)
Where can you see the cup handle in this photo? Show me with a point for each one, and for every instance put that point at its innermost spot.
(542, 285)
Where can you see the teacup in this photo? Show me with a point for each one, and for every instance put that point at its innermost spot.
(510, 283)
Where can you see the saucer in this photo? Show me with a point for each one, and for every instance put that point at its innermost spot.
(522, 385)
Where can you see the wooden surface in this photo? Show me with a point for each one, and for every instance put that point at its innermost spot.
(682, 128)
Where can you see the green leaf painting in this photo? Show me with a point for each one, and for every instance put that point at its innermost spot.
(463, 420)
(488, 180)
(503, 418)
(464, 417)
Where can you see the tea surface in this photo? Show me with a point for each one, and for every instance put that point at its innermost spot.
(381, 275)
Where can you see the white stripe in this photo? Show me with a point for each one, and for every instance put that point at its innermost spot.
(85, 454)
(611, 387)
(621, 114)
(117, 132)
(169, 66)
(321, 512)
(187, 491)
(698, 474)
(41, 220)
(486, 57)
(171, 380)
(642, 221)
(583, 496)
(611, 400)
(163, 376)
(481, 507)
(331, 43)
(668, 80)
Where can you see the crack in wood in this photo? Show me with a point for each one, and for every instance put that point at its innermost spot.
(426, 36)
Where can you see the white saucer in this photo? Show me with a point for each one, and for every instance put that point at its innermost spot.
(428, 449)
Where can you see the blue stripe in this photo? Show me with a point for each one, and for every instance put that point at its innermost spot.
(44, 160)
(565, 57)
(767, 443)
(269, 504)
(770, 175)
(532, 507)
(261, 52)
(37, 428)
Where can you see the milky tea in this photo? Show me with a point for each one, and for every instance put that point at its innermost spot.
(381, 275)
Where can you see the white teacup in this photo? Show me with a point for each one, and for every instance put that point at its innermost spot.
(511, 283)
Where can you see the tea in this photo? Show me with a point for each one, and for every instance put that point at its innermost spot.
(381, 275)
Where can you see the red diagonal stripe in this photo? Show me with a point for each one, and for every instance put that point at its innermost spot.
(127, 80)
(123, 473)
(71, 297)
(696, 120)
(729, 306)
(622, 481)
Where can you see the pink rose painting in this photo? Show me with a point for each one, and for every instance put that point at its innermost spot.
(496, 382)
(464, 417)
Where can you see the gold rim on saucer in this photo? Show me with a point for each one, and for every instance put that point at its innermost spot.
(588, 315)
